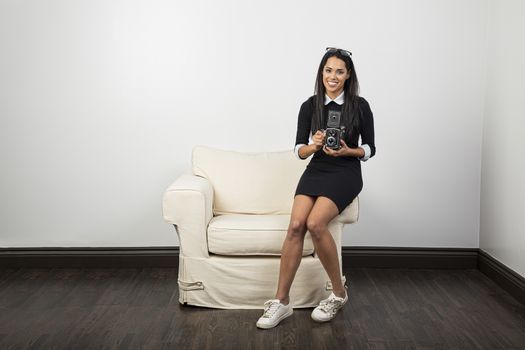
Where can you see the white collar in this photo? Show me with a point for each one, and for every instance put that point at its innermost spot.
(339, 99)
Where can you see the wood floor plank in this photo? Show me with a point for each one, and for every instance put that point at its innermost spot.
(138, 308)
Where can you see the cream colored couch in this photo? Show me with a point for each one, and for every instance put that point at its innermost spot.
(231, 214)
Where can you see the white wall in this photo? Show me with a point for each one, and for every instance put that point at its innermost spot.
(102, 101)
(502, 232)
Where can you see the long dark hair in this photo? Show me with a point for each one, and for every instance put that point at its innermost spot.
(350, 110)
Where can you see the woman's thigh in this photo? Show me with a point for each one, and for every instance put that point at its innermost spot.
(323, 211)
(302, 205)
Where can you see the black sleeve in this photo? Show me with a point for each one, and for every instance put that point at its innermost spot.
(304, 124)
(367, 126)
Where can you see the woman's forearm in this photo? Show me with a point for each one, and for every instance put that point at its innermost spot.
(356, 152)
(307, 150)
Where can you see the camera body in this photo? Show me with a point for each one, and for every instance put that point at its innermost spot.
(334, 131)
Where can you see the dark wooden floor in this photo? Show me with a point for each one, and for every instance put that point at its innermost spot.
(138, 308)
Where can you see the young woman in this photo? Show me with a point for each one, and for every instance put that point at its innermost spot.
(331, 181)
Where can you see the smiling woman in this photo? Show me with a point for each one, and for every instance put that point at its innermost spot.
(331, 181)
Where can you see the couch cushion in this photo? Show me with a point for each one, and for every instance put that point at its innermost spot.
(249, 182)
(237, 234)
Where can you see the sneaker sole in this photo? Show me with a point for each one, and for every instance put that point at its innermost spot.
(267, 326)
(321, 321)
(330, 319)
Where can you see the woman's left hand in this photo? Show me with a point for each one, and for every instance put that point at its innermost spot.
(343, 151)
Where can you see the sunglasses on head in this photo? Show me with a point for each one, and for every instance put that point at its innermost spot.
(341, 51)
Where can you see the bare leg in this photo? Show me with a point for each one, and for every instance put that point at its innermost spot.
(291, 252)
(322, 213)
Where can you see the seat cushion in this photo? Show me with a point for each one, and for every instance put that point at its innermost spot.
(249, 182)
(239, 234)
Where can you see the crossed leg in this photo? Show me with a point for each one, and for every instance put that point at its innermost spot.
(312, 214)
(292, 250)
(322, 213)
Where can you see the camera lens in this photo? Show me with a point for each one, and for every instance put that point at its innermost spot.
(330, 141)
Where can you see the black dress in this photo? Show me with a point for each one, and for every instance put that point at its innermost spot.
(338, 178)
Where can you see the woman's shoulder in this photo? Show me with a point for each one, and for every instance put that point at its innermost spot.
(309, 103)
(364, 107)
(362, 101)
(307, 107)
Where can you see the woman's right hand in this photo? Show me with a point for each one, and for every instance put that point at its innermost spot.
(318, 139)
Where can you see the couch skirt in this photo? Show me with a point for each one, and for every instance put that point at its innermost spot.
(228, 282)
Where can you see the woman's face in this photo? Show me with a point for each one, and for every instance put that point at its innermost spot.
(334, 76)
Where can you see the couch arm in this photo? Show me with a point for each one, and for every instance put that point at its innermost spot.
(187, 204)
(350, 214)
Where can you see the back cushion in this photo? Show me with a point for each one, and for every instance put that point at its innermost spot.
(249, 182)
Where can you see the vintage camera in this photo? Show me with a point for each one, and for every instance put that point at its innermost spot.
(334, 131)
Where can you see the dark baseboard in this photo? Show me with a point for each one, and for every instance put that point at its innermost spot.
(365, 257)
(89, 257)
(505, 277)
(115, 257)
(410, 258)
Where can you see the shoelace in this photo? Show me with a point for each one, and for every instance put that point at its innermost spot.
(329, 305)
(270, 307)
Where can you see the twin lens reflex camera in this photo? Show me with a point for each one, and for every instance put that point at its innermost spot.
(334, 130)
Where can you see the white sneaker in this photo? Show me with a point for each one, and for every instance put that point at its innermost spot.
(328, 308)
(274, 312)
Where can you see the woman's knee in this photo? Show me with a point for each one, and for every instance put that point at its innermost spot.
(296, 229)
(316, 227)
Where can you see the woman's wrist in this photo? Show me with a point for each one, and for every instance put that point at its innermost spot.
(357, 152)
(315, 148)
